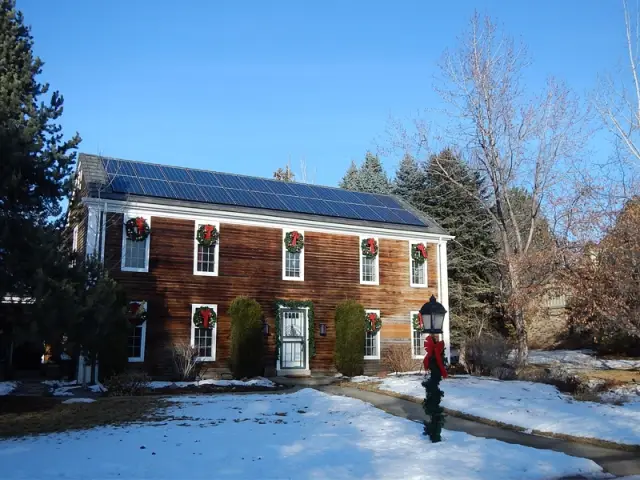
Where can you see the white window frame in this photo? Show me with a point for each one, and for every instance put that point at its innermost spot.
(216, 269)
(413, 332)
(74, 239)
(214, 331)
(143, 335)
(424, 266)
(378, 335)
(125, 218)
(377, 261)
(284, 256)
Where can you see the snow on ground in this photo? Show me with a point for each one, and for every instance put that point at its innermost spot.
(254, 382)
(7, 387)
(79, 400)
(60, 388)
(580, 359)
(307, 434)
(533, 406)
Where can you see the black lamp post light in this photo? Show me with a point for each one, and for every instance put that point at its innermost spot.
(432, 316)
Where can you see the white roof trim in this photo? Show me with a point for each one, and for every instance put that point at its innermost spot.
(261, 220)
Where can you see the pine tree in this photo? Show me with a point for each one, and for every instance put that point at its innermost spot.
(370, 177)
(410, 181)
(471, 255)
(284, 174)
(35, 159)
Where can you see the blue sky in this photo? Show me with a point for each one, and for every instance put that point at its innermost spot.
(244, 86)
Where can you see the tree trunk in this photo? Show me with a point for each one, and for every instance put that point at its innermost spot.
(522, 346)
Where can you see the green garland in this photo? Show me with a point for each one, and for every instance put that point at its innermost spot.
(288, 239)
(198, 319)
(372, 328)
(137, 313)
(137, 229)
(366, 251)
(293, 304)
(431, 403)
(201, 235)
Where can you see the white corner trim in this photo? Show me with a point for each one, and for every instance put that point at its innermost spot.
(444, 296)
(143, 336)
(214, 331)
(378, 335)
(413, 333)
(207, 211)
(74, 240)
(128, 215)
(216, 252)
(424, 267)
(377, 261)
(284, 257)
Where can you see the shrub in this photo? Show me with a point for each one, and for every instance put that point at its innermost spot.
(350, 336)
(487, 355)
(127, 384)
(184, 360)
(399, 358)
(246, 338)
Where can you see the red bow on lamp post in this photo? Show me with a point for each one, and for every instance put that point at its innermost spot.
(208, 231)
(436, 349)
(294, 238)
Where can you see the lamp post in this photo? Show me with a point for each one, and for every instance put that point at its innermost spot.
(432, 316)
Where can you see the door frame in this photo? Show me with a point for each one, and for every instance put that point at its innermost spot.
(295, 372)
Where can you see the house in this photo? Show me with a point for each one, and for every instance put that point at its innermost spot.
(186, 242)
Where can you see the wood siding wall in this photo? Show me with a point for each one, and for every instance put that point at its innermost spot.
(250, 263)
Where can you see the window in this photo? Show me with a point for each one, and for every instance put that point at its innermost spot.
(372, 342)
(417, 338)
(136, 340)
(135, 255)
(369, 267)
(292, 262)
(205, 259)
(418, 273)
(204, 339)
(74, 241)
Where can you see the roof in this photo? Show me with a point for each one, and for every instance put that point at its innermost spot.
(114, 178)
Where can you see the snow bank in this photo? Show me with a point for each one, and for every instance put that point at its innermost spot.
(7, 387)
(306, 434)
(533, 406)
(254, 382)
(580, 359)
(60, 388)
(79, 400)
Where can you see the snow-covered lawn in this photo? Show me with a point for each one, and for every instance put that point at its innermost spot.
(7, 387)
(306, 434)
(580, 359)
(254, 382)
(533, 406)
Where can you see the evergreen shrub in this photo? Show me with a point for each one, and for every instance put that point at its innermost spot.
(350, 337)
(246, 338)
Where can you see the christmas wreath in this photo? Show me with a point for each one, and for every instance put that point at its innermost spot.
(294, 242)
(372, 322)
(205, 317)
(137, 229)
(418, 322)
(369, 247)
(207, 235)
(419, 253)
(137, 313)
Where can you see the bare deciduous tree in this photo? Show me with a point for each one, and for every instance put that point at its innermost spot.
(519, 143)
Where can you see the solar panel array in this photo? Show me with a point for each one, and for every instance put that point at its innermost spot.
(227, 189)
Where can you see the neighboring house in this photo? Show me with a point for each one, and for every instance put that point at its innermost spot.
(171, 274)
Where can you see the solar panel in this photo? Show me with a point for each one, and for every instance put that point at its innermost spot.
(177, 174)
(227, 189)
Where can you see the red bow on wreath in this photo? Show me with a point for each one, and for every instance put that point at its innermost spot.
(372, 318)
(208, 231)
(421, 322)
(133, 308)
(422, 249)
(205, 313)
(294, 238)
(372, 246)
(434, 348)
(140, 224)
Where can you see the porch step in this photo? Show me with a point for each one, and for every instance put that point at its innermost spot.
(312, 381)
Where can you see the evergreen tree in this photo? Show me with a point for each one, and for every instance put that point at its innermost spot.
(284, 174)
(410, 181)
(35, 159)
(471, 255)
(370, 177)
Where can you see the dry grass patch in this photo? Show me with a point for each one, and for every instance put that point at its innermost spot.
(36, 415)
